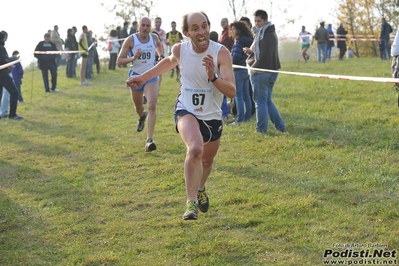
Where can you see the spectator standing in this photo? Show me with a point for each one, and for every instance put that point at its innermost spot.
(47, 62)
(84, 53)
(56, 39)
(242, 36)
(226, 40)
(305, 38)
(214, 36)
(114, 45)
(5, 100)
(225, 37)
(321, 37)
(90, 57)
(124, 34)
(173, 37)
(264, 54)
(125, 31)
(18, 75)
(330, 43)
(96, 58)
(76, 55)
(247, 22)
(6, 81)
(395, 60)
(133, 28)
(70, 45)
(385, 32)
(341, 41)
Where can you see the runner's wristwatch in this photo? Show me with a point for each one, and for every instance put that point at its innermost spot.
(215, 77)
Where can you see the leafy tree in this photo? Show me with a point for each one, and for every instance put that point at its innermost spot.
(129, 10)
(361, 20)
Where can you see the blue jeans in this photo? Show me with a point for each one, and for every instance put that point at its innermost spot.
(243, 100)
(321, 52)
(225, 107)
(5, 102)
(89, 68)
(262, 85)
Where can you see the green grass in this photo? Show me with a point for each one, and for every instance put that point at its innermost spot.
(77, 188)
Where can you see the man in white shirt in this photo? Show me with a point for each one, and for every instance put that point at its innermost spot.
(198, 114)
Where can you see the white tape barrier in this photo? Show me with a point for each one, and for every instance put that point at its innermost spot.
(11, 63)
(340, 77)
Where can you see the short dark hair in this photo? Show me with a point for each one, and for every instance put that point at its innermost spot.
(214, 36)
(261, 13)
(2, 36)
(246, 19)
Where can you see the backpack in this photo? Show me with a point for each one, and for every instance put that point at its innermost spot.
(109, 46)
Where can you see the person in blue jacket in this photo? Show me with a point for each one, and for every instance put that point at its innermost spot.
(242, 36)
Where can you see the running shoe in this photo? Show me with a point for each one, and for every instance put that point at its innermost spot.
(140, 124)
(150, 145)
(203, 201)
(191, 211)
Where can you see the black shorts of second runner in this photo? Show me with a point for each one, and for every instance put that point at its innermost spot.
(211, 130)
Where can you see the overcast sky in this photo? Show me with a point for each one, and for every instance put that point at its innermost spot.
(26, 21)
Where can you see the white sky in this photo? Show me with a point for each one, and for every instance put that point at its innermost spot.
(26, 21)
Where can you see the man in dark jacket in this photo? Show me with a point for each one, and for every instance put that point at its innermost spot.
(321, 35)
(71, 45)
(385, 32)
(6, 80)
(47, 62)
(341, 41)
(264, 54)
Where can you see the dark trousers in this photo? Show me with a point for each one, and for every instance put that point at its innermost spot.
(9, 85)
(70, 70)
(112, 61)
(45, 67)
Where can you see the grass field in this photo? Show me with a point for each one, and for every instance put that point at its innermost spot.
(77, 188)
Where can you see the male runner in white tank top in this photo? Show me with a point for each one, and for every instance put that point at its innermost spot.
(139, 50)
(206, 75)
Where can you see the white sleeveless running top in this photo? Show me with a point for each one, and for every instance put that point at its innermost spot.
(198, 95)
(147, 57)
